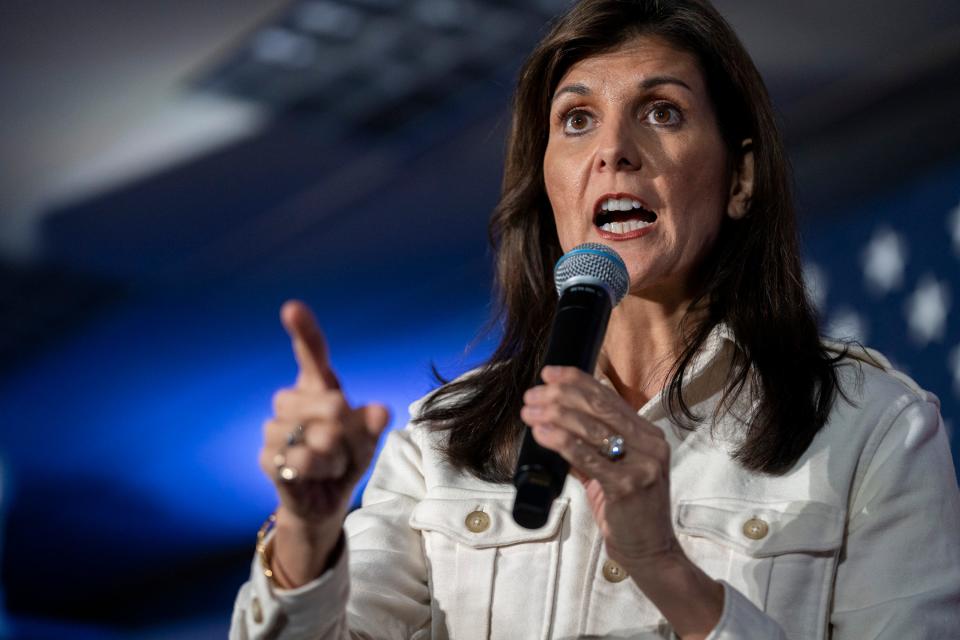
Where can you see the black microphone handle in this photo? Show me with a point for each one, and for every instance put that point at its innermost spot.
(578, 329)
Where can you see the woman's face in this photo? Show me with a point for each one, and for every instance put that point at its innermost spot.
(635, 160)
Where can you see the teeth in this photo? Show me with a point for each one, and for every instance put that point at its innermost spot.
(625, 227)
(620, 204)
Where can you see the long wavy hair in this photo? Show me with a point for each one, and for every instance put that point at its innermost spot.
(752, 281)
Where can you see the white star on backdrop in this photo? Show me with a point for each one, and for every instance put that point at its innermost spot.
(927, 309)
(817, 283)
(884, 259)
(954, 363)
(846, 324)
(953, 224)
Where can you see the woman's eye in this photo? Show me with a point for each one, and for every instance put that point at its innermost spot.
(577, 122)
(663, 114)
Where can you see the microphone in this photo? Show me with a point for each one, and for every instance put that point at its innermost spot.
(591, 279)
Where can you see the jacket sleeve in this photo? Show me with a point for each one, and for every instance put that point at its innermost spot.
(378, 586)
(899, 572)
(742, 620)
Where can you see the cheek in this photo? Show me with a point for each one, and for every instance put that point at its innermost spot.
(554, 176)
(560, 180)
(699, 186)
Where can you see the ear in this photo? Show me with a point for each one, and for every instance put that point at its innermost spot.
(741, 183)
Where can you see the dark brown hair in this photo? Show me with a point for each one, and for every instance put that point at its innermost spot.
(752, 281)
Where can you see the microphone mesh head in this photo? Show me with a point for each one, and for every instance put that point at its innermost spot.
(593, 263)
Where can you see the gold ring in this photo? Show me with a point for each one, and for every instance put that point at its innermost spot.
(288, 473)
(285, 472)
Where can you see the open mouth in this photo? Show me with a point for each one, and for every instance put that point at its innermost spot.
(622, 215)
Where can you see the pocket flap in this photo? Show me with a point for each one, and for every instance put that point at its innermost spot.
(450, 515)
(762, 529)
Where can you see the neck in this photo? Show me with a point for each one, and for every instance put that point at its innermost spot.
(642, 343)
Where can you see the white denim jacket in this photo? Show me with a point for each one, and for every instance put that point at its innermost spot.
(860, 539)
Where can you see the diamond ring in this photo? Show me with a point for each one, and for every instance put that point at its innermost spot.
(612, 448)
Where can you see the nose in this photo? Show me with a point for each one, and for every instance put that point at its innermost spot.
(617, 149)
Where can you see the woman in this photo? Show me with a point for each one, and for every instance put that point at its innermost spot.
(771, 486)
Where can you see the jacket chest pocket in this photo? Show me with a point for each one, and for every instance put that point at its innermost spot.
(781, 555)
(489, 577)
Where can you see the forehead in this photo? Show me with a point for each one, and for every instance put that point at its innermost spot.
(632, 62)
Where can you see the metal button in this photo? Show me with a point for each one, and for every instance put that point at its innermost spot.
(478, 521)
(613, 572)
(256, 610)
(755, 528)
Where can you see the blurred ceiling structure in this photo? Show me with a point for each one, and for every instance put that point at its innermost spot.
(94, 96)
(99, 94)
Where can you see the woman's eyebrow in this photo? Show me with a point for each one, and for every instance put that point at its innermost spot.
(656, 81)
(647, 83)
(579, 89)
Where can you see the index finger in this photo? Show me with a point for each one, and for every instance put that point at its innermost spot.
(309, 347)
(579, 390)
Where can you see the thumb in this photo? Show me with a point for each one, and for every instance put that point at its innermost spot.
(375, 418)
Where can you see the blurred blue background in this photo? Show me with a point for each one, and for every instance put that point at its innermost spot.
(170, 172)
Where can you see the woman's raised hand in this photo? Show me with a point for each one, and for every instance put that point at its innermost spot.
(316, 447)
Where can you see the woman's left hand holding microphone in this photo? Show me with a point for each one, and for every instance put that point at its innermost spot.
(316, 447)
(573, 414)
